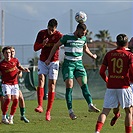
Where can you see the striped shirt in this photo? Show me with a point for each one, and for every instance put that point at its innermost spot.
(73, 47)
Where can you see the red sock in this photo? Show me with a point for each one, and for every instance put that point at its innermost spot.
(5, 106)
(99, 126)
(14, 106)
(128, 129)
(51, 96)
(40, 95)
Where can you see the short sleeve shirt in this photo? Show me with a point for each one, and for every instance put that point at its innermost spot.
(118, 62)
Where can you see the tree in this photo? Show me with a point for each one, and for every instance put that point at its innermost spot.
(100, 54)
(104, 35)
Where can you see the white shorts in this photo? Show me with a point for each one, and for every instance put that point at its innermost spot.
(114, 97)
(10, 89)
(131, 84)
(51, 70)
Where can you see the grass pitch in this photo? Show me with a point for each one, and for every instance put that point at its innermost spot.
(60, 122)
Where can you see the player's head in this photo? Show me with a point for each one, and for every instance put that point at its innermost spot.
(122, 40)
(12, 51)
(52, 25)
(6, 53)
(81, 30)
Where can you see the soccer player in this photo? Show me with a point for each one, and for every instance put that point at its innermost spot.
(116, 111)
(9, 71)
(21, 98)
(74, 45)
(117, 62)
(45, 41)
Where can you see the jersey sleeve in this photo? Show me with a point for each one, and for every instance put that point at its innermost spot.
(38, 43)
(105, 61)
(63, 39)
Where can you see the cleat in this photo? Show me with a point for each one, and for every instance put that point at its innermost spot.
(23, 118)
(114, 119)
(10, 121)
(5, 121)
(48, 117)
(92, 108)
(72, 116)
(39, 109)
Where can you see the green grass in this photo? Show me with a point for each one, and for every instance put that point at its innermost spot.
(61, 123)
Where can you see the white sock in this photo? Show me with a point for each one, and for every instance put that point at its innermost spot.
(3, 116)
(11, 117)
(70, 111)
(91, 104)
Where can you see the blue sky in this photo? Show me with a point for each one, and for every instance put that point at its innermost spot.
(23, 19)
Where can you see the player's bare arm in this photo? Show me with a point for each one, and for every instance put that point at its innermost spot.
(23, 69)
(88, 52)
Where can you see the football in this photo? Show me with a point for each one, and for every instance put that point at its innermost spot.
(80, 17)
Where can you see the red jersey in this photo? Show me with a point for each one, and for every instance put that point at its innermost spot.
(118, 62)
(45, 50)
(9, 70)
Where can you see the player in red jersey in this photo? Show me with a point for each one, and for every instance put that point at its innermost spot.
(116, 111)
(117, 62)
(45, 41)
(9, 70)
(21, 98)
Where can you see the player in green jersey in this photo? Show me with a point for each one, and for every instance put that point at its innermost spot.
(74, 46)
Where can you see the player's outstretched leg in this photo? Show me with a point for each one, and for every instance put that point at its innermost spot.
(88, 98)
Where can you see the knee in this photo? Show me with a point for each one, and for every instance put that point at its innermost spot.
(84, 80)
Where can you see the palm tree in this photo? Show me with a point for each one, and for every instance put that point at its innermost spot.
(104, 35)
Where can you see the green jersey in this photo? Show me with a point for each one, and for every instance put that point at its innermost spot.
(73, 47)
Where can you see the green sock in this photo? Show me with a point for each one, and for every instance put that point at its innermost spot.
(86, 93)
(69, 98)
(22, 111)
(7, 116)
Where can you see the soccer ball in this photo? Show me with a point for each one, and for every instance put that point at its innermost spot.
(80, 17)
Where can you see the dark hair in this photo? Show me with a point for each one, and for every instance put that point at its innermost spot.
(81, 26)
(5, 48)
(122, 40)
(11, 47)
(52, 23)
